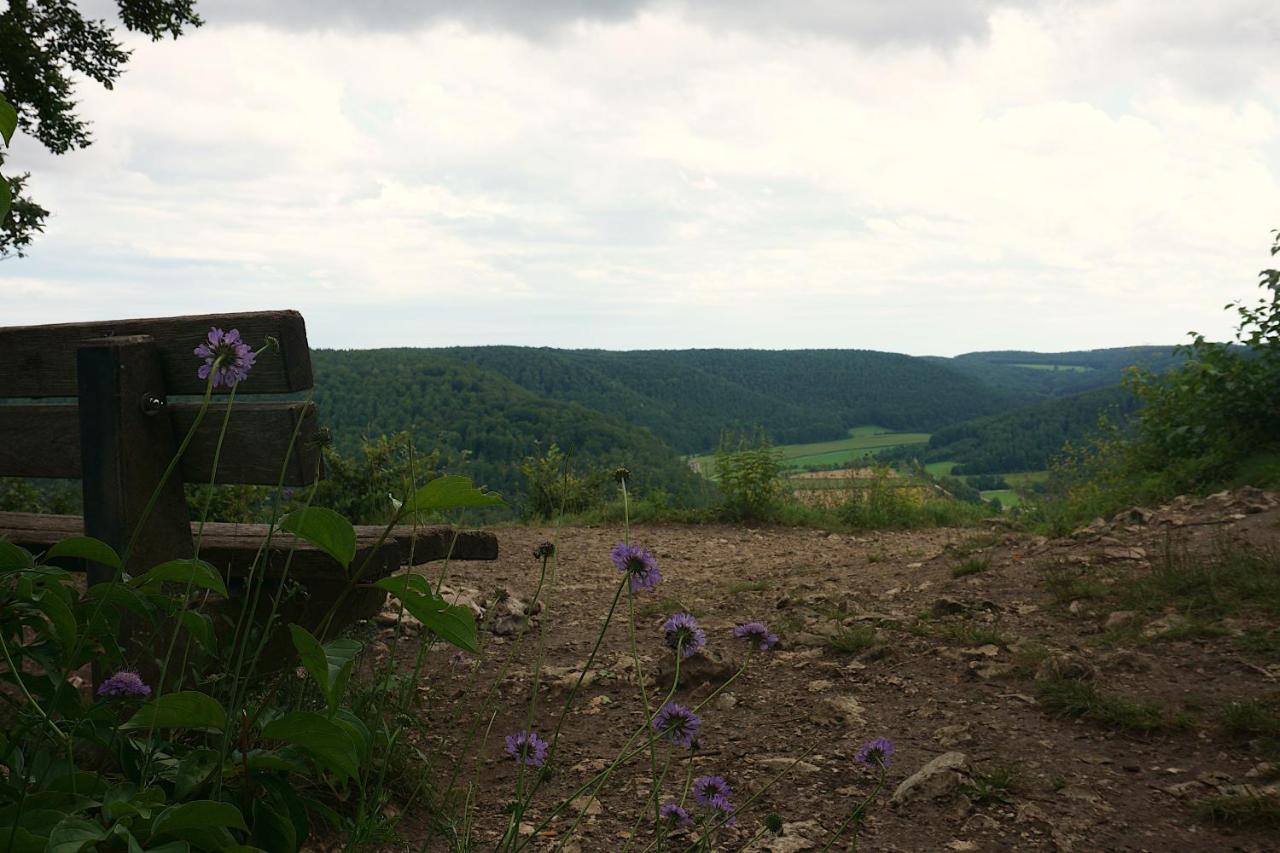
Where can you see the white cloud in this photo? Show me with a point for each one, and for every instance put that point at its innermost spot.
(1049, 180)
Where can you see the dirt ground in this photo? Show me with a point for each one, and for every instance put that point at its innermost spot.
(879, 639)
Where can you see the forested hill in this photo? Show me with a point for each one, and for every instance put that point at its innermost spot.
(1025, 439)
(688, 397)
(1038, 375)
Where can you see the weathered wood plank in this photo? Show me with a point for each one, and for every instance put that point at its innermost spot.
(43, 440)
(40, 361)
(236, 545)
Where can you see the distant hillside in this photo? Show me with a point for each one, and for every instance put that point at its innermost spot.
(688, 397)
(1025, 439)
(1037, 376)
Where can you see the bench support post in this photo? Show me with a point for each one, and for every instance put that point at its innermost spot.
(126, 442)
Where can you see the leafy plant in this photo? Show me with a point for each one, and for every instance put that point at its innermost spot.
(748, 470)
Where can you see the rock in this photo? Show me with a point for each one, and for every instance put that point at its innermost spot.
(955, 735)
(940, 779)
(819, 686)
(947, 606)
(726, 701)
(1119, 619)
(1096, 528)
(1031, 813)
(1127, 660)
(781, 763)
(980, 823)
(1123, 553)
(796, 837)
(985, 651)
(839, 709)
(1164, 625)
(1059, 667)
(707, 667)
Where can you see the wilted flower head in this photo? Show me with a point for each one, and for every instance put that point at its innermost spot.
(236, 356)
(674, 813)
(773, 822)
(707, 788)
(544, 551)
(756, 634)
(527, 748)
(620, 473)
(639, 565)
(683, 634)
(459, 658)
(124, 684)
(875, 753)
(677, 724)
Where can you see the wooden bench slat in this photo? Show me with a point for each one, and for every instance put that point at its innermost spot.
(234, 546)
(43, 440)
(40, 361)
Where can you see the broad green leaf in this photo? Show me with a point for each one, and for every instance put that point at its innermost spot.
(175, 847)
(6, 197)
(62, 619)
(272, 830)
(86, 548)
(12, 557)
(325, 529)
(185, 710)
(73, 834)
(193, 572)
(200, 626)
(452, 623)
(193, 770)
(197, 814)
(451, 491)
(8, 120)
(330, 665)
(357, 729)
(24, 841)
(327, 742)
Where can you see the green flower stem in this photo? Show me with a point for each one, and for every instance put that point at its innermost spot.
(856, 814)
(731, 679)
(17, 678)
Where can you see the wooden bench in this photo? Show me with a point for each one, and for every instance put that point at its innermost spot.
(116, 428)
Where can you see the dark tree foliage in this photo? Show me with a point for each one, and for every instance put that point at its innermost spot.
(43, 43)
(1060, 373)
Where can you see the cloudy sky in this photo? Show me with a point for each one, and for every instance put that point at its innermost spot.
(922, 176)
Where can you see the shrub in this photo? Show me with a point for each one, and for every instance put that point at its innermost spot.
(748, 470)
(552, 487)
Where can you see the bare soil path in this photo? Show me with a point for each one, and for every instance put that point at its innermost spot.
(881, 639)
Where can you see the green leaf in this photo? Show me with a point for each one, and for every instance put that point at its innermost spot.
(325, 529)
(327, 742)
(6, 197)
(12, 557)
(193, 770)
(185, 710)
(200, 626)
(24, 841)
(8, 120)
(330, 665)
(452, 623)
(197, 814)
(86, 548)
(359, 732)
(72, 834)
(192, 572)
(63, 621)
(451, 491)
(272, 830)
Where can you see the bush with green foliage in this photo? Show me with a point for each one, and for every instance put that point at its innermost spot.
(553, 488)
(749, 473)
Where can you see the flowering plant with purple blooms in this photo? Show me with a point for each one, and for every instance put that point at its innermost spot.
(707, 788)
(875, 753)
(233, 358)
(677, 724)
(527, 748)
(638, 563)
(676, 814)
(720, 811)
(124, 685)
(683, 634)
(756, 634)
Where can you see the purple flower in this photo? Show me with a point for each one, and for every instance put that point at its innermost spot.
(875, 753)
(527, 748)
(125, 685)
(236, 356)
(721, 811)
(683, 634)
(756, 634)
(639, 565)
(677, 724)
(707, 788)
(675, 814)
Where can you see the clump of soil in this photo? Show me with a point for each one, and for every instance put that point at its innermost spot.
(1116, 689)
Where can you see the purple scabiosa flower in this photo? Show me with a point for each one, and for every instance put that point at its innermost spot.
(875, 753)
(683, 634)
(124, 685)
(639, 565)
(237, 357)
(707, 788)
(756, 634)
(677, 724)
(527, 748)
(674, 813)
(720, 810)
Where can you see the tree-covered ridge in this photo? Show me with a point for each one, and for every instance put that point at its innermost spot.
(1036, 375)
(1026, 439)
(688, 397)
(482, 423)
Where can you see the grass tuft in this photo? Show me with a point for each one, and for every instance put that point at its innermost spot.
(971, 566)
(1081, 700)
(1240, 811)
(854, 639)
(996, 784)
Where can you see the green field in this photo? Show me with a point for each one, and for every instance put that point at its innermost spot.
(1008, 497)
(940, 469)
(1065, 368)
(1025, 479)
(862, 440)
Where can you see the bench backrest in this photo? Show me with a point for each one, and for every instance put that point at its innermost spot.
(121, 431)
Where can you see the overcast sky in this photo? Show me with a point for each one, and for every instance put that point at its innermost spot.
(921, 176)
